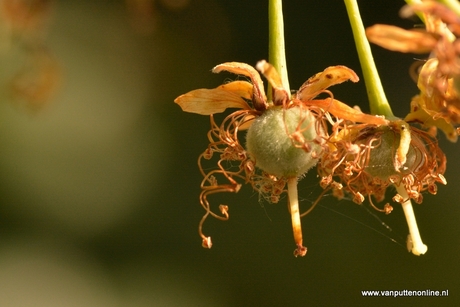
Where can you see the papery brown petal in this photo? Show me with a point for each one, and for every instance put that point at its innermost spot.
(397, 39)
(343, 111)
(280, 95)
(217, 100)
(238, 68)
(422, 116)
(242, 88)
(330, 76)
(437, 9)
(427, 79)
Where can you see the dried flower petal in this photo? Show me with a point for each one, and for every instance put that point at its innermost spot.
(321, 81)
(433, 106)
(396, 154)
(341, 110)
(438, 104)
(397, 39)
(217, 100)
(280, 95)
(259, 99)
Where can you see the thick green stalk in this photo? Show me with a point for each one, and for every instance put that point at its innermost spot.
(276, 50)
(454, 5)
(377, 99)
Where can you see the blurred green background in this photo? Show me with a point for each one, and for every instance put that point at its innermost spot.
(99, 189)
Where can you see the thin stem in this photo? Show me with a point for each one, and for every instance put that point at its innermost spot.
(377, 99)
(413, 1)
(295, 216)
(454, 5)
(415, 245)
(276, 50)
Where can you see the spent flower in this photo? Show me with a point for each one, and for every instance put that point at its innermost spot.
(438, 104)
(365, 159)
(356, 154)
(285, 136)
(396, 154)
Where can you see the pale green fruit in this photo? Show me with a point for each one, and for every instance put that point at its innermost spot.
(269, 145)
(381, 161)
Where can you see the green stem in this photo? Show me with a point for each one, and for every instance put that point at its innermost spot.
(377, 99)
(453, 5)
(276, 50)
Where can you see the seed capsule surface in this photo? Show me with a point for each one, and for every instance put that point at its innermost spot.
(271, 140)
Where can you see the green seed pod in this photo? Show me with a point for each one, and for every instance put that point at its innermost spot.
(381, 160)
(269, 144)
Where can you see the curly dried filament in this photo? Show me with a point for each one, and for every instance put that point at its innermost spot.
(227, 132)
(230, 125)
(214, 188)
(208, 190)
(316, 201)
(357, 183)
(223, 140)
(296, 136)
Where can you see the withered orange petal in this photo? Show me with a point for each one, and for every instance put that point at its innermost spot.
(422, 116)
(397, 39)
(259, 98)
(280, 95)
(343, 111)
(242, 88)
(321, 81)
(211, 101)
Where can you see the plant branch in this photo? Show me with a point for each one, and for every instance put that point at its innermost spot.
(377, 99)
(276, 49)
(453, 5)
